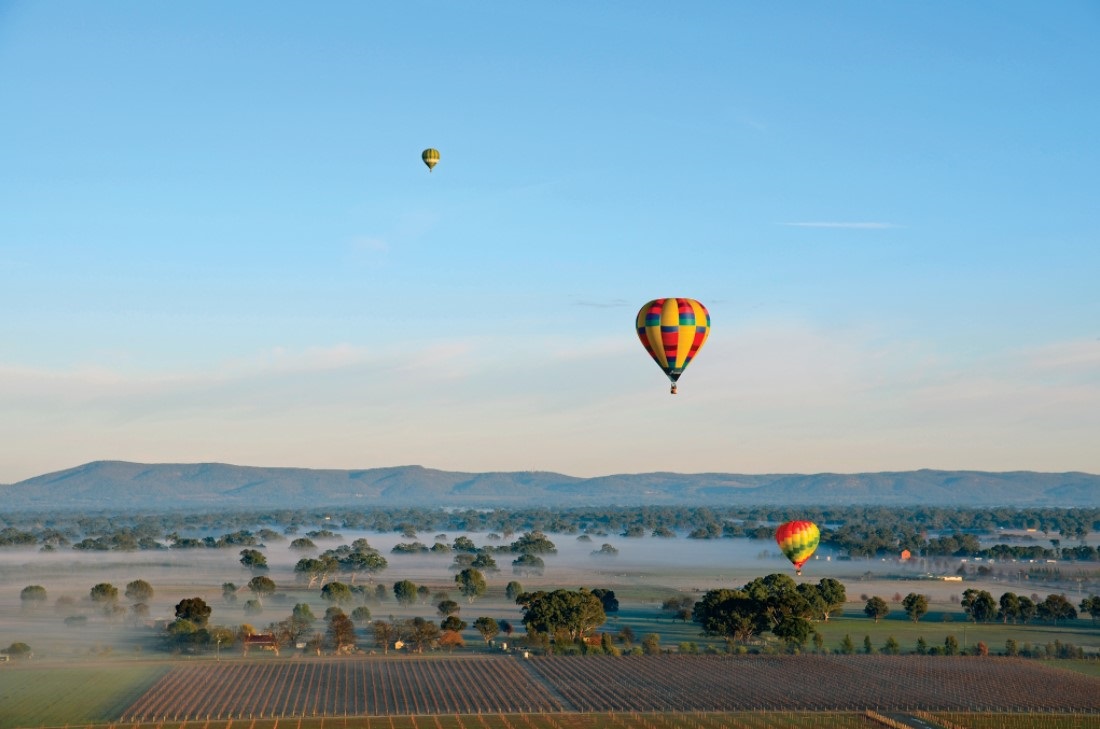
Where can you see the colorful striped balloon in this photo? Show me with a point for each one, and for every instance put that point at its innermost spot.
(798, 540)
(430, 157)
(673, 331)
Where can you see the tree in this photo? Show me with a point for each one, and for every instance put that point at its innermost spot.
(1028, 609)
(453, 622)
(1055, 608)
(303, 544)
(419, 633)
(513, 590)
(33, 596)
(575, 612)
(447, 607)
(951, 645)
(847, 647)
(229, 592)
(18, 651)
(139, 591)
(405, 592)
(104, 594)
(979, 605)
(487, 627)
(253, 559)
(451, 639)
(337, 593)
(194, 610)
(794, 630)
(651, 644)
(471, 583)
(534, 543)
(384, 634)
(485, 562)
(730, 613)
(915, 606)
(361, 614)
(1090, 605)
(341, 632)
(528, 564)
(1009, 607)
(261, 586)
(607, 599)
(876, 608)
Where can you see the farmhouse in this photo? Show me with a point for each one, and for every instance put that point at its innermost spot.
(263, 641)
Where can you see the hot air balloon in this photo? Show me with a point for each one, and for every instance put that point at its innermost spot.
(673, 331)
(798, 540)
(430, 157)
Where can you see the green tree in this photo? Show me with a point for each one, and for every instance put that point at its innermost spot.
(194, 610)
(574, 612)
(916, 606)
(405, 592)
(951, 645)
(104, 594)
(361, 614)
(303, 544)
(485, 562)
(253, 559)
(513, 590)
(876, 608)
(534, 543)
(261, 586)
(139, 591)
(453, 622)
(337, 593)
(1009, 607)
(794, 631)
(847, 647)
(528, 564)
(892, 647)
(607, 599)
(730, 613)
(651, 644)
(1055, 608)
(471, 583)
(979, 605)
(487, 627)
(447, 607)
(868, 647)
(1089, 605)
(33, 596)
(229, 592)
(18, 651)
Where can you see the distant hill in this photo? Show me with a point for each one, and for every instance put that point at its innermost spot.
(122, 486)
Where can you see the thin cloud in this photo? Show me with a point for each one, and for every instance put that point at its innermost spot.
(838, 224)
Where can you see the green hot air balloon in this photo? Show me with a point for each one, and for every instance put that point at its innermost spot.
(430, 157)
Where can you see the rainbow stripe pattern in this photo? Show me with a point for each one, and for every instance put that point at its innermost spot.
(798, 540)
(673, 331)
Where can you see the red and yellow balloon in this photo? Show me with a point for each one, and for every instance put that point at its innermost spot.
(798, 540)
(673, 331)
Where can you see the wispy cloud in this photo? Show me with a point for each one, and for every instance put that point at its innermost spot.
(841, 224)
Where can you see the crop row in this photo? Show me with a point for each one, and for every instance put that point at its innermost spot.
(637, 684)
(814, 683)
(343, 687)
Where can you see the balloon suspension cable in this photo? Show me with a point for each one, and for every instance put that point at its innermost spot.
(673, 390)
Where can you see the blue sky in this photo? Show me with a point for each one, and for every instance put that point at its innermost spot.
(218, 241)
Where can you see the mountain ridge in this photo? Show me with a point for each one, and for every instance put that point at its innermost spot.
(128, 486)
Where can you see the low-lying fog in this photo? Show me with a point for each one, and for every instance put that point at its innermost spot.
(644, 571)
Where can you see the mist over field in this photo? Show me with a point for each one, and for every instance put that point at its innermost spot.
(646, 571)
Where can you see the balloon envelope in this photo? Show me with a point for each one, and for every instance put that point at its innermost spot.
(798, 540)
(673, 331)
(430, 157)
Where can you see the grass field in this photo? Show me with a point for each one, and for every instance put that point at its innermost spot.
(57, 696)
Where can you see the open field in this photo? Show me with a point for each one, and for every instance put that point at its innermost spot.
(272, 688)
